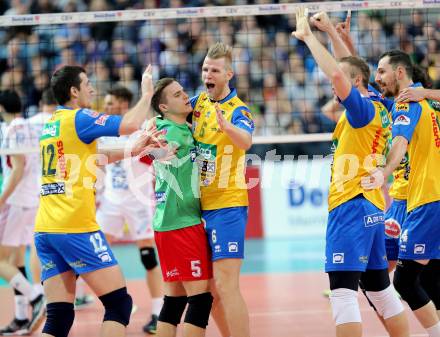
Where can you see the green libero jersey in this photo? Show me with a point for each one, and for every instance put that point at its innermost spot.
(177, 183)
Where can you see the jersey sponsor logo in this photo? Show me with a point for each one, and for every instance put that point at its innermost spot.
(435, 129)
(419, 248)
(392, 228)
(249, 124)
(363, 259)
(338, 258)
(376, 140)
(384, 118)
(90, 113)
(102, 120)
(172, 273)
(61, 159)
(373, 219)
(217, 249)
(402, 107)
(404, 236)
(402, 120)
(233, 247)
(246, 113)
(196, 114)
(50, 130)
(52, 188)
(105, 257)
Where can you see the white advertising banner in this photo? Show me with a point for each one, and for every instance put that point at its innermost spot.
(295, 197)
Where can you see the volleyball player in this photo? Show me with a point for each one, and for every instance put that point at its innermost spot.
(121, 205)
(416, 130)
(18, 206)
(222, 128)
(355, 247)
(67, 237)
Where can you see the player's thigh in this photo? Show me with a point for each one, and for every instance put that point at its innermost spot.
(105, 280)
(196, 287)
(7, 252)
(60, 288)
(18, 226)
(174, 289)
(227, 271)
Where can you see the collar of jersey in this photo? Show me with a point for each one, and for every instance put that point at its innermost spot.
(231, 95)
(62, 107)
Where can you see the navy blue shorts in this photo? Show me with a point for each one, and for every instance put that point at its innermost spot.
(420, 238)
(82, 253)
(355, 239)
(226, 228)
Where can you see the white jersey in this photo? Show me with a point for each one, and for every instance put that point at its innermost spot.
(18, 135)
(128, 180)
(37, 122)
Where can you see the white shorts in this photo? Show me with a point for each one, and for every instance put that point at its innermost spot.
(17, 225)
(112, 217)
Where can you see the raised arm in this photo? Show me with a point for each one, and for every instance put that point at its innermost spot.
(322, 22)
(133, 119)
(323, 58)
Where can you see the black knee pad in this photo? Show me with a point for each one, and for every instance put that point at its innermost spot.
(430, 281)
(172, 309)
(407, 283)
(22, 270)
(148, 257)
(59, 319)
(344, 279)
(375, 280)
(117, 306)
(199, 308)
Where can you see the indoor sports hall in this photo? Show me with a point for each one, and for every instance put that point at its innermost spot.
(288, 167)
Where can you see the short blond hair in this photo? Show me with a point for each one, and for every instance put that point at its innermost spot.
(220, 50)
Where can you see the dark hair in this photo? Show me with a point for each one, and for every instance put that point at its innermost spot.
(122, 93)
(10, 101)
(48, 98)
(399, 58)
(157, 98)
(361, 66)
(63, 80)
(421, 75)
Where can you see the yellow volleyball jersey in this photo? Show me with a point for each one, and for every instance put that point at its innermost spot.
(67, 196)
(399, 187)
(221, 163)
(419, 124)
(361, 141)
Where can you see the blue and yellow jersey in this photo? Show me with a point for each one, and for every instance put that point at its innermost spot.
(68, 158)
(361, 140)
(221, 163)
(399, 187)
(419, 123)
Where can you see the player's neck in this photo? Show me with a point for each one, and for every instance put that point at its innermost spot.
(178, 119)
(363, 91)
(224, 93)
(72, 104)
(405, 83)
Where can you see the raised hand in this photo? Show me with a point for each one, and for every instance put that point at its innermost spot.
(147, 81)
(321, 21)
(343, 28)
(221, 120)
(302, 24)
(410, 95)
(148, 141)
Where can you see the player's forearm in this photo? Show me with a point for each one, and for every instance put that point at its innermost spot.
(433, 94)
(329, 66)
(397, 152)
(133, 119)
(240, 138)
(340, 50)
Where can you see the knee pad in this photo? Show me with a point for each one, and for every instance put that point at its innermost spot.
(430, 281)
(172, 309)
(148, 257)
(344, 279)
(386, 302)
(59, 319)
(345, 306)
(407, 283)
(374, 280)
(199, 308)
(117, 305)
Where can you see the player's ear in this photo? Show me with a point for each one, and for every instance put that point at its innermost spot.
(400, 72)
(74, 92)
(163, 107)
(229, 73)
